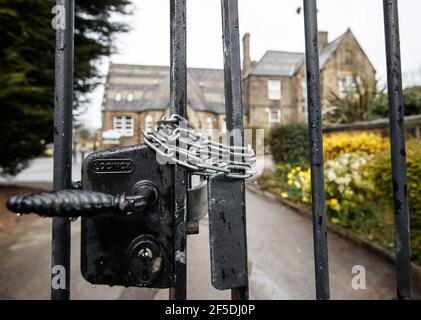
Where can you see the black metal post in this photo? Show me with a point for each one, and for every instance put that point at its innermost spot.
(179, 106)
(234, 106)
(397, 147)
(63, 107)
(316, 150)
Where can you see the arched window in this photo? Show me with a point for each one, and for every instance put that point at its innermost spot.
(148, 121)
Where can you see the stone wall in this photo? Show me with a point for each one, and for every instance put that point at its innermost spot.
(257, 101)
(348, 59)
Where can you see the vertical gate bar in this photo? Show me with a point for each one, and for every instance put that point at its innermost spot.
(63, 107)
(178, 102)
(316, 150)
(397, 148)
(233, 97)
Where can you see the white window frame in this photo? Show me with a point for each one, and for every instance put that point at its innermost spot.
(124, 125)
(274, 89)
(345, 83)
(130, 96)
(118, 96)
(277, 118)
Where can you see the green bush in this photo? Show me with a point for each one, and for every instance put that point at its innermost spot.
(381, 178)
(289, 143)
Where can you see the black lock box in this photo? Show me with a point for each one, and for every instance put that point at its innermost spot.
(134, 249)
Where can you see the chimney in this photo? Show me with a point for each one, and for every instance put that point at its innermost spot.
(323, 40)
(246, 53)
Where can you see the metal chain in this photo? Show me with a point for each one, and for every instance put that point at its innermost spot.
(176, 140)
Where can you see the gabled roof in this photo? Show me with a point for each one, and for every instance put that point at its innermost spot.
(278, 63)
(286, 64)
(151, 86)
(329, 50)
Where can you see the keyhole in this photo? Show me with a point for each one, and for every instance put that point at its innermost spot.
(144, 261)
(145, 253)
(145, 267)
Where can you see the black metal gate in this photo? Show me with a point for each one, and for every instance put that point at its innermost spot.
(397, 142)
(151, 251)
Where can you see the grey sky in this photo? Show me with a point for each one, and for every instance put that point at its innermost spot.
(273, 25)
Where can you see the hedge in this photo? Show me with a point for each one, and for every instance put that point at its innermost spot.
(381, 175)
(289, 143)
(361, 143)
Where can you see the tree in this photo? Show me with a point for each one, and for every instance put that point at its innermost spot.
(364, 102)
(27, 69)
(83, 133)
(357, 104)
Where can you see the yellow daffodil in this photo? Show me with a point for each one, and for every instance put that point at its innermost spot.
(333, 202)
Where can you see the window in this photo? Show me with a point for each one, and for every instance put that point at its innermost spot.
(274, 89)
(148, 121)
(346, 84)
(274, 115)
(124, 125)
(130, 97)
(118, 97)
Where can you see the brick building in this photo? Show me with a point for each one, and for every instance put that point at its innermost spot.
(274, 88)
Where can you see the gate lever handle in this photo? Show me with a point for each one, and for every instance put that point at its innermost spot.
(77, 203)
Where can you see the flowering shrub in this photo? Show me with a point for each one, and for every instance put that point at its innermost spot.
(289, 144)
(298, 184)
(345, 182)
(337, 144)
(358, 185)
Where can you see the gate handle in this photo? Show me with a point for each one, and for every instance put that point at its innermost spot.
(77, 203)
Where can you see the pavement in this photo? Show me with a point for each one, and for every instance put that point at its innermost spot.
(280, 248)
